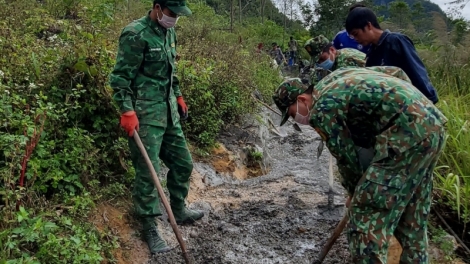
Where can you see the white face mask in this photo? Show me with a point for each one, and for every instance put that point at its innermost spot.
(167, 21)
(304, 120)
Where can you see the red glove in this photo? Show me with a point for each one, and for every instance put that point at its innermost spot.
(182, 104)
(129, 122)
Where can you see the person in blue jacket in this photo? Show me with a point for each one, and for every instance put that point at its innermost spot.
(389, 49)
(344, 40)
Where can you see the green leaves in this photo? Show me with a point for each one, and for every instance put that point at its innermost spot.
(54, 239)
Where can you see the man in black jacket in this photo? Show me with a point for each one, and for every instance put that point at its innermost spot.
(389, 49)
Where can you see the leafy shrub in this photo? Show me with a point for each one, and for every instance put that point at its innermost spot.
(55, 239)
(218, 74)
(60, 141)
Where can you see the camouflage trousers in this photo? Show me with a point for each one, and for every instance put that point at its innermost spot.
(393, 197)
(168, 144)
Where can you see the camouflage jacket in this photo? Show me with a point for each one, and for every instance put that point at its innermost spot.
(374, 107)
(143, 78)
(344, 58)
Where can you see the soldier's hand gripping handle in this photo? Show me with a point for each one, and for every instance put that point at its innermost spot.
(129, 122)
(182, 108)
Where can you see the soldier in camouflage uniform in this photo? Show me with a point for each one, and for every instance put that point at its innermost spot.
(148, 95)
(326, 57)
(377, 108)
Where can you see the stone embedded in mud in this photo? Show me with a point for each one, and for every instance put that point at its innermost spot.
(209, 175)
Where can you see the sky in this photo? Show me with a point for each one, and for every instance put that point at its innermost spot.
(444, 7)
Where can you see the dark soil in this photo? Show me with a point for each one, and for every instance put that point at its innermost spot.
(284, 227)
(274, 218)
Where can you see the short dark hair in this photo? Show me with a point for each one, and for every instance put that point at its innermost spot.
(162, 3)
(327, 47)
(359, 17)
(356, 5)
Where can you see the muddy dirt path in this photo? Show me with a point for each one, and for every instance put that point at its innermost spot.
(267, 211)
(262, 191)
(273, 218)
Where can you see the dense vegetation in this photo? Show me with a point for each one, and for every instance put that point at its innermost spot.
(427, 6)
(61, 145)
(61, 148)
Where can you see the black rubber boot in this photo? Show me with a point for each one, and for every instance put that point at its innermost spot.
(187, 216)
(154, 241)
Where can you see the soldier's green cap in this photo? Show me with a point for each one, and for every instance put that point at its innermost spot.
(178, 7)
(315, 46)
(286, 95)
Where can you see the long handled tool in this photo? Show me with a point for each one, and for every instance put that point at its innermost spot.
(296, 127)
(163, 197)
(340, 227)
(331, 241)
(331, 192)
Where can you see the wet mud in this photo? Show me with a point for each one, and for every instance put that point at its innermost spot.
(272, 211)
(277, 217)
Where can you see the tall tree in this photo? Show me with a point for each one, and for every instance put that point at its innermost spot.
(460, 29)
(400, 13)
(419, 17)
(306, 11)
(459, 3)
(456, 7)
(262, 7)
(331, 16)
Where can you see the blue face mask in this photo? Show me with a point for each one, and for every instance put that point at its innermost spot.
(327, 64)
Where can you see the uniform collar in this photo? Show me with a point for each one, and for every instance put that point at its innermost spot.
(338, 52)
(315, 97)
(383, 36)
(154, 25)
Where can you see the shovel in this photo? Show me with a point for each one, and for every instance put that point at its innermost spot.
(162, 197)
(365, 158)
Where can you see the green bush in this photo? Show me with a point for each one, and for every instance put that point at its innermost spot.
(218, 74)
(52, 239)
(59, 127)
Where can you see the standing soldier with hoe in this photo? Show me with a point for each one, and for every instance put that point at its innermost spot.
(390, 194)
(148, 95)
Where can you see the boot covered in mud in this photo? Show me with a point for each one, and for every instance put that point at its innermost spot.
(183, 215)
(151, 235)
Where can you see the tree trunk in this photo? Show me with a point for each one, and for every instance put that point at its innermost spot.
(285, 21)
(262, 3)
(231, 16)
(291, 22)
(240, 12)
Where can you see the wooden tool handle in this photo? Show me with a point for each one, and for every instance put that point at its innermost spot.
(162, 197)
(331, 241)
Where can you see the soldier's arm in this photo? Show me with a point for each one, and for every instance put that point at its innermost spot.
(329, 117)
(176, 81)
(360, 62)
(358, 59)
(391, 70)
(128, 61)
(349, 178)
